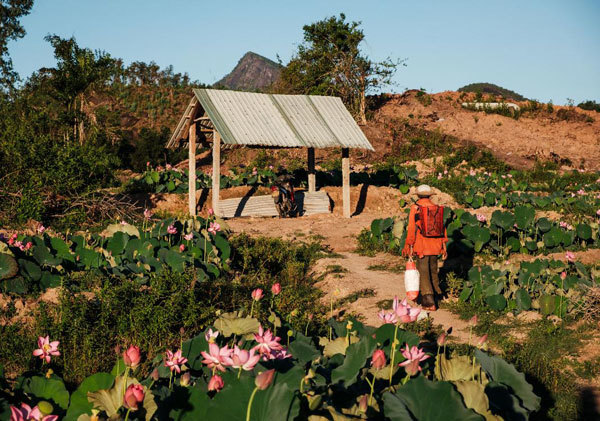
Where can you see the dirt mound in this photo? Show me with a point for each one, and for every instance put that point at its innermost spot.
(566, 134)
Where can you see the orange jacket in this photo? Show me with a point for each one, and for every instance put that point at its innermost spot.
(422, 246)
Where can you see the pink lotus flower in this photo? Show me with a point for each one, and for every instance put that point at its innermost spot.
(217, 358)
(211, 212)
(189, 236)
(171, 229)
(181, 247)
(12, 239)
(211, 336)
(168, 166)
(570, 256)
(276, 288)
(281, 354)
(25, 412)
(46, 349)
(387, 317)
(174, 360)
(563, 275)
(246, 360)
(405, 312)
(270, 167)
(214, 227)
(266, 342)
(598, 212)
(147, 163)
(581, 192)
(40, 229)
(439, 177)
(215, 383)
(134, 396)
(254, 171)
(378, 359)
(509, 175)
(472, 173)
(132, 356)
(257, 294)
(148, 213)
(413, 357)
(480, 217)
(264, 379)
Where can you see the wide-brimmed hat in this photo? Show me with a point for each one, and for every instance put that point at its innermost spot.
(424, 191)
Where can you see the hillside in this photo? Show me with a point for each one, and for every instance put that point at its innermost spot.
(252, 73)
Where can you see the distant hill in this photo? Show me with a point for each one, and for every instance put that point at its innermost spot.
(252, 73)
(491, 89)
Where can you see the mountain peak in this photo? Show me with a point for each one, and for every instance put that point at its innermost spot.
(253, 72)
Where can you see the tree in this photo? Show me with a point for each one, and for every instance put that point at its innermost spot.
(10, 30)
(330, 62)
(79, 73)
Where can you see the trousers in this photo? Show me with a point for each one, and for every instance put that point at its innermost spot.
(428, 274)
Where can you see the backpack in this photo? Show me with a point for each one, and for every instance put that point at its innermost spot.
(432, 221)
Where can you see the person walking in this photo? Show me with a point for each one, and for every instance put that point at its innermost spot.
(426, 238)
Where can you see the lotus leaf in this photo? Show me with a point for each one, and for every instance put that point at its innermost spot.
(336, 346)
(456, 368)
(544, 224)
(8, 266)
(52, 389)
(500, 371)
(408, 403)
(356, 358)
(584, 231)
(523, 300)
(524, 216)
(504, 220)
(234, 324)
(128, 229)
(474, 397)
(79, 402)
(30, 269)
(496, 302)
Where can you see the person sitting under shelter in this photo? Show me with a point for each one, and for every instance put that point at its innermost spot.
(426, 238)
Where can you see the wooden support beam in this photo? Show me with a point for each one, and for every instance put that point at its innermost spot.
(216, 175)
(312, 182)
(346, 181)
(192, 170)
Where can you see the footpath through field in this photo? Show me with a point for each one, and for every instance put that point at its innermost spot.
(346, 273)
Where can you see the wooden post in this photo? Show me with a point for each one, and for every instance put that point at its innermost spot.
(312, 182)
(192, 170)
(346, 181)
(216, 174)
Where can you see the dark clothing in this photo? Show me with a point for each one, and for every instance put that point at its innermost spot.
(428, 271)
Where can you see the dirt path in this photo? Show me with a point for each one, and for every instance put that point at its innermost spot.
(348, 273)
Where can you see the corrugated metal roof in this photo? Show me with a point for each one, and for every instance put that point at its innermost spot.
(246, 118)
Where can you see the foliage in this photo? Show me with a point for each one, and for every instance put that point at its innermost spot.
(11, 29)
(548, 286)
(491, 89)
(124, 252)
(589, 105)
(330, 62)
(308, 380)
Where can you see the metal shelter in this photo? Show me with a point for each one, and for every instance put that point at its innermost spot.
(255, 119)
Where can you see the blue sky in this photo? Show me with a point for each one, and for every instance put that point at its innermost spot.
(547, 50)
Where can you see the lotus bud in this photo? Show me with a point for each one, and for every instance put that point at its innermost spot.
(132, 357)
(294, 313)
(481, 341)
(181, 331)
(276, 288)
(363, 403)
(441, 341)
(215, 383)
(473, 320)
(185, 379)
(264, 379)
(378, 359)
(134, 395)
(257, 294)
(563, 275)
(154, 375)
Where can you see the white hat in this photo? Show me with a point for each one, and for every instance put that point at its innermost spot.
(424, 190)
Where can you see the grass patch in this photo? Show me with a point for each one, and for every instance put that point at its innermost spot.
(350, 298)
